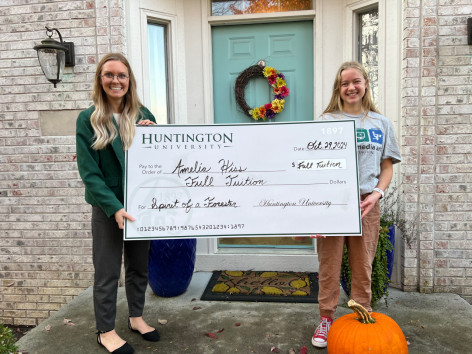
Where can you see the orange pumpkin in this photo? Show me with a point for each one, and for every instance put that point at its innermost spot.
(362, 332)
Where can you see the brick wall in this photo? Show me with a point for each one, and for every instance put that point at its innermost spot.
(437, 145)
(45, 242)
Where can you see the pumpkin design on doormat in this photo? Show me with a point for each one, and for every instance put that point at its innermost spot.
(263, 283)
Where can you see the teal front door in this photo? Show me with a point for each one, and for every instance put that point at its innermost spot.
(286, 46)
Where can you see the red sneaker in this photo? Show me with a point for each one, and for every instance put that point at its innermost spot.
(320, 337)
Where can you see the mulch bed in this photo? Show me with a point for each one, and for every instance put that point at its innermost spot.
(19, 331)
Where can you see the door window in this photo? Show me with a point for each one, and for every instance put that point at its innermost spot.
(368, 50)
(241, 7)
(158, 72)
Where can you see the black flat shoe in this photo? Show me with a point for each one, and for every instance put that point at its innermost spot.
(152, 336)
(124, 349)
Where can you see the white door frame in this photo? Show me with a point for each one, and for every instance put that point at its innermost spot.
(167, 12)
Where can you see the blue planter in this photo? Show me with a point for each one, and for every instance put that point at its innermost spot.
(391, 237)
(171, 264)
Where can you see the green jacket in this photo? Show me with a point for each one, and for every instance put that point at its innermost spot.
(102, 170)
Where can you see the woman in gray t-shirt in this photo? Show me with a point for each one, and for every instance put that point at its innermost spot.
(377, 152)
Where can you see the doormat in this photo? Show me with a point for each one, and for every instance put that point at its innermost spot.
(262, 286)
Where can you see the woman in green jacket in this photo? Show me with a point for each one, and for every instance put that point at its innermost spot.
(104, 132)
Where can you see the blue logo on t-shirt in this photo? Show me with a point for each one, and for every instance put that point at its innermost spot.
(376, 136)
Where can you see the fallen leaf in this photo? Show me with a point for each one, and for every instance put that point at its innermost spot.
(68, 322)
(291, 351)
(303, 350)
(194, 299)
(274, 350)
(221, 330)
(211, 335)
(162, 322)
(237, 324)
(196, 308)
(47, 328)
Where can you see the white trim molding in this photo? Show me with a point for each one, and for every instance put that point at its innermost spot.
(268, 262)
(138, 55)
(389, 51)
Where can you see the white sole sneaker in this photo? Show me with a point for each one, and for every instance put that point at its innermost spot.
(318, 344)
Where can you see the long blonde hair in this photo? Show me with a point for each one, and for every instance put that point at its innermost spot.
(102, 118)
(336, 104)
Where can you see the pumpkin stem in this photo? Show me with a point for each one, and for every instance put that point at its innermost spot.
(364, 315)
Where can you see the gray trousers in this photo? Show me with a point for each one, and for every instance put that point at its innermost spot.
(108, 248)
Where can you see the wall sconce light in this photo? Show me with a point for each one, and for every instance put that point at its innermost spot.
(54, 55)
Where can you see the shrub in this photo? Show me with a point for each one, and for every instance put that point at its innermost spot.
(7, 340)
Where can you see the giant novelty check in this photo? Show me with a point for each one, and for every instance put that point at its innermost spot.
(274, 179)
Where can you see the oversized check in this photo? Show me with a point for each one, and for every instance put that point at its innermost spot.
(274, 179)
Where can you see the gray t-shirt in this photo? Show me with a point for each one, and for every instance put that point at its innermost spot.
(375, 142)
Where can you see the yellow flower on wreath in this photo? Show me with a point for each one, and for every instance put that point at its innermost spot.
(281, 82)
(278, 105)
(268, 71)
(255, 113)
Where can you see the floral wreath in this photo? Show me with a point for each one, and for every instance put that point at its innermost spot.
(275, 78)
